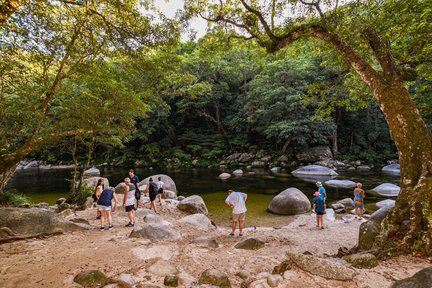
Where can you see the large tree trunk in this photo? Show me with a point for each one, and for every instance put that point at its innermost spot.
(8, 8)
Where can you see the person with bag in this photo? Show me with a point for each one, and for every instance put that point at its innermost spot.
(135, 181)
(152, 190)
(318, 209)
(129, 201)
(105, 207)
(160, 187)
(96, 195)
(359, 196)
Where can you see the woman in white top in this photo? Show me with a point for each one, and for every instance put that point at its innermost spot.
(129, 201)
(98, 191)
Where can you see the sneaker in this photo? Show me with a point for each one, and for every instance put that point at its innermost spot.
(231, 234)
(110, 227)
(360, 218)
(129, 224)
(101, 228)
(240, 235)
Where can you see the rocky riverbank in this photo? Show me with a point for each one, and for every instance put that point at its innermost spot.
(196, 254)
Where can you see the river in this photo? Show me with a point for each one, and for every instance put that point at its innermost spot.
(260, 185)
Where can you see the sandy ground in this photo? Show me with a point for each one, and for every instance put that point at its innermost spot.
(54, 261)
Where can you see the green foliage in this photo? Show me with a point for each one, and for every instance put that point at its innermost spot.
(13, 198)
(79, 196)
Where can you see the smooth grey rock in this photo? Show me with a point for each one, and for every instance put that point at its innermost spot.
(193, 204)
(169, 183)
(205, 241)
(387, 202)
(379, 215)
(198, 221)
(224, 176)
(92, 172)
(238, 172)
(155, 231)
(290, 202)
(315, 170)
(168, 194)
(91, 182)
(127, 278)
(347, 202)
(362, 260)
(275, 169)
(155, 219)
(274, 280)
(337, 206)
(364, 168)
(250, 244)
(421, 279)
(387, 189)
(329, 268)
(162, 268)
(392, 169)
(215, 277)
(341, 183)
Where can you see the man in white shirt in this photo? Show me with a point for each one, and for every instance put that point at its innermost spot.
(160, 186)
(237, 201)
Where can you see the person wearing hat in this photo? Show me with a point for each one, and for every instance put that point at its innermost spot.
(359, 196)
(323, 194)
(318, 207)
(237, 202)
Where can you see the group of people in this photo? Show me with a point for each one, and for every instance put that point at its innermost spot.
(132, 195)
(319, 203)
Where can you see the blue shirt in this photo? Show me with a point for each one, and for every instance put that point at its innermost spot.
(319, 204)
(106, 197)
(322, 192)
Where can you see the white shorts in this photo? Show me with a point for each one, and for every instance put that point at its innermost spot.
(104, 208)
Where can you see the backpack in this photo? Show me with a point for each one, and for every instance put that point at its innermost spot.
(137, 193)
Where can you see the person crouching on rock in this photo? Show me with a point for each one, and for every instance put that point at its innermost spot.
(152, 191)
(105, 207)
(318, 207)
(237, 202)
(129, 201)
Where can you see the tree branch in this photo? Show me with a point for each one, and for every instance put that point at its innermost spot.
(8, 8)
(316, 5)
(267, 28)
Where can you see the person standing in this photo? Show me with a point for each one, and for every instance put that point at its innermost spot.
(359, 196)
(129, 201)
(97, 193)
(237, 202)
(152, 191)
(105, 207)
(160, 187)
(323, 194)
(318, 207)
(135, 181)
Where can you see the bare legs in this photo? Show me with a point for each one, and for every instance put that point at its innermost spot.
(234, 225)
(160, 198)
(319, 219)
(153, 205)
(131, 215)
(106, 214)
(361, 212)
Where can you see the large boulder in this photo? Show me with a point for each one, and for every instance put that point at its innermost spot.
(192, 205)
(224, 176)
(215, 277)
(198, 221)
(421, 279)
(315, 154)
(387, 202)
(91, 182)
(341, 183)
(347, 202)
(289, 202)
(238, 172)
(371, 228)
(155, 219)
(329, 268)
(169, 183)
(92, 172)
(314, 170)
(379, 215)
(35, 222)
(387, 189)
(91, 278)
(250, 244)
(205, 242)
(162, 268)
(392, 169)
(155, 231)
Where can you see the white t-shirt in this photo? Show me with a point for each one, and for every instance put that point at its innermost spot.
(160, 184)
(237, 199)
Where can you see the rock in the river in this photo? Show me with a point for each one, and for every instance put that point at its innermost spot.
(205, 242)
(363, 168)
(392, 169)
(341, 183)
(421, 279)
(250, 244)
(198, 221)
(329, 268)
(35, 222)
(362, 260)
(290, 202)
(169, 183)
(155, 231)
(387, 189)
(347, 202)
(91, 278)
(315, 154)
(224, 176)
(193, 204)
(215, 277)
(162, 268)
(275, 169)
(387, 202)
(238, 172)
(92, 172)
(314, 170)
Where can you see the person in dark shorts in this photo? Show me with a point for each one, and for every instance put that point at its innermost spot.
(97, 193)
(129, 201)
(135, 181)
(160, 187)
(152, 191)
(318, 206)
(104, 204)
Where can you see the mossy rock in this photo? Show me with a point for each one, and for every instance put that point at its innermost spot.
(362, 260)
(91, 278)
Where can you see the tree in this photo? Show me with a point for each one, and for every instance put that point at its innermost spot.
(57, 40)
(381, 42)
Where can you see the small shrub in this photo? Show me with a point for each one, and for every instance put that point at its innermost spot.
(13, 198)
(80, 195)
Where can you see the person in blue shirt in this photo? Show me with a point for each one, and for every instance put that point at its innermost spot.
(318, 207)
(323, 194)
(105, 206)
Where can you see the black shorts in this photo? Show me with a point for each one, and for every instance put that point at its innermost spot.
(130, 208)
(160, 191)
(152, 196)
(320, 213)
